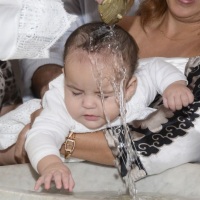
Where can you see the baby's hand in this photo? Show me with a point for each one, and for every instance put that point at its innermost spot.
(60, 174)
(177, 95)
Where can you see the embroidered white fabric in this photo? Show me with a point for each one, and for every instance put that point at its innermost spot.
(13, 122)
(40, 24)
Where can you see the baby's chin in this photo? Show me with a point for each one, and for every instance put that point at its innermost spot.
(93, 124)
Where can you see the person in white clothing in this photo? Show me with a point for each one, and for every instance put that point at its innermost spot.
(28, 32)
(98, 78)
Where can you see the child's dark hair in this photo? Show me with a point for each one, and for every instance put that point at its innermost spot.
(97, 37)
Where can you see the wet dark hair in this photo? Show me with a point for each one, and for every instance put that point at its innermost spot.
(98, 37)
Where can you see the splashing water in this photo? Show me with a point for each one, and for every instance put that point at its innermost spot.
(110, 57)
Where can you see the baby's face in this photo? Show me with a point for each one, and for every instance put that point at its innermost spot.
(83, 97)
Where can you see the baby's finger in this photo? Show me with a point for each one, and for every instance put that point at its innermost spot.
(191, 97)
(71, 183)
(171, 103)
(65, 181)
(47, 181)
(178, 103)
(38, 183)
(165, 102)
(185, 100)
(58, 179)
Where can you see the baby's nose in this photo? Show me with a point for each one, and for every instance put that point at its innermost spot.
(89, 102)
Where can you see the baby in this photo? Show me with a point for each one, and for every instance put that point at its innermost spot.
(99, 65)
(99, 87)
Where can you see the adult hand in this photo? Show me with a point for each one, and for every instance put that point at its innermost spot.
(20, 153)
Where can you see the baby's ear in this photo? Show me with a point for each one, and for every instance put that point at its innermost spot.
(130, 88)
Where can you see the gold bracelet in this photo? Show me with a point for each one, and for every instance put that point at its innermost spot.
(69, 145)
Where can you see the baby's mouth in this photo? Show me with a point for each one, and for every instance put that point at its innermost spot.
(91, 117)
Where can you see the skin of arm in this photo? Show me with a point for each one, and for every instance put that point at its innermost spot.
(7, 156)
(94, 150)
(15, 154)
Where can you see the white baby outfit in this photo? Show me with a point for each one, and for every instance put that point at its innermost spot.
(54, 123)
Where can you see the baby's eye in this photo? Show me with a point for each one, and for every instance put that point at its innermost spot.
(103, 96)
(76, 93)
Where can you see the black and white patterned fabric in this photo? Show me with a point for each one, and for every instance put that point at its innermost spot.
(9, 91)
(163, 140)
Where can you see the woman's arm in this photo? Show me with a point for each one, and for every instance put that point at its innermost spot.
(92, 147)
(7, 156)
(15, 154)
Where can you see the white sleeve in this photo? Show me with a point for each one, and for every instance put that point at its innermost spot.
(154, 77)
(29, 28)
(49, 129)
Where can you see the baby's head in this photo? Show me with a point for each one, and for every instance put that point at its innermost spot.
(100, 61)
(112, 43)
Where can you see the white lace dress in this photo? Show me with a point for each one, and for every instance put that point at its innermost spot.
(13, 122)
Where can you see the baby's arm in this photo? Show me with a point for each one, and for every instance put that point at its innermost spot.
(167, 80)
(177, 95)
(44, 140)
(51, 168)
